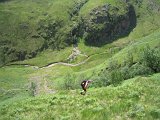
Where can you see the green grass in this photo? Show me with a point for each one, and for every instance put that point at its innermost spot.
(20, 21)
(57, 74)
(93, 4)
(136, 98)
(14, 82)
(47, 57)
(13, 15)
(152, 40)
(93, 61)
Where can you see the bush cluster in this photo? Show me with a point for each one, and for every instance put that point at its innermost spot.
(69, 82)
(148, 63)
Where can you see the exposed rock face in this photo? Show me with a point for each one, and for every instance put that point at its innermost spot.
(106, 23)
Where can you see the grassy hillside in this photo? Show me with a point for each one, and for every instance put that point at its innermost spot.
(147, 21)
(58, 76)
(28, 27)
(26, 31)
(48, 47)
(136, 98)
(14, 82)
(98, 57)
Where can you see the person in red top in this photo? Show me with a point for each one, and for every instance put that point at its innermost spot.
(84, 85)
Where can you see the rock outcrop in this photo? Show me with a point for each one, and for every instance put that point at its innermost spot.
(106, 23)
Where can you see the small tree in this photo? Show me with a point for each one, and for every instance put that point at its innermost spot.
(116, 77)
(113, 64)
(151, 58)
(102, 79)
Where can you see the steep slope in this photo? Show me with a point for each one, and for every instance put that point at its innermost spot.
(28, 27)
(39, 25)
(93, 22)
(22, 80)
(136, 98)
(98, 32)
(107, 22)
(146, 23)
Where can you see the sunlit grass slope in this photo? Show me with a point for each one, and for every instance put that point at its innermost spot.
(136, 98)
(47, 57)
(21, 23)
(95, 3)
(96, 62)
(147, 23)
(57, 74)
(14, 82)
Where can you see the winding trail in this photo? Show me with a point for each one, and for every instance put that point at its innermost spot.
(62, 63)
(42, 84)
(65, 64)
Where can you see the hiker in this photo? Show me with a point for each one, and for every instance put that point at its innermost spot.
(84, 85)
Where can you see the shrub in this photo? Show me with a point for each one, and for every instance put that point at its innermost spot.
(69, 82)
(148, 63)
(155, 113)
(137, 111)
(139, 69)
(116, 77)
(109, 77)
(151, 58)
(125, 72)
(113, 64)
(101, 80)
